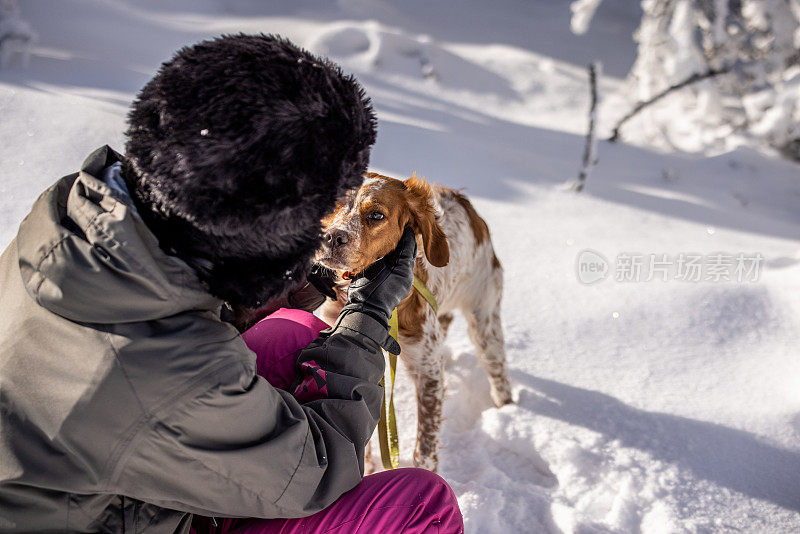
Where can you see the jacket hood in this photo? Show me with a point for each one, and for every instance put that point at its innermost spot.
(86, 255)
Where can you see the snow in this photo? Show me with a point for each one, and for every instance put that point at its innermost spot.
(582, 13)
(650, 406)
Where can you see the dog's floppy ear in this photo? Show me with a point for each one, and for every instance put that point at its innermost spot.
(423, 221)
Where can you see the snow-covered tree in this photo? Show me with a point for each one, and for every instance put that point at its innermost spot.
(16, 35)
(750, 48)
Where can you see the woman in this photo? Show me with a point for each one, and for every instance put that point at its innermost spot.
(126, 404)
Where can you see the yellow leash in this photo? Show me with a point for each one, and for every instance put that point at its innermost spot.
(387, 425)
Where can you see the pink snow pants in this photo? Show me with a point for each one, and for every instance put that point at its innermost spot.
(407, 500)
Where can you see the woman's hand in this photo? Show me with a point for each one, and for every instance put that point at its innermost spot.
(383, 285)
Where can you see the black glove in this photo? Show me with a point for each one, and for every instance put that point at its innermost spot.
(383, 285)
(323, 279)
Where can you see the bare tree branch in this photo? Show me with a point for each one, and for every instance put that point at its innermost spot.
(694, 78)
(590, 150)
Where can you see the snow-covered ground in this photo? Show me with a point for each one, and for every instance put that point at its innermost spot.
(644, 405)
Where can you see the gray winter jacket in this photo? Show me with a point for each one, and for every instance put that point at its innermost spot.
(126, 404)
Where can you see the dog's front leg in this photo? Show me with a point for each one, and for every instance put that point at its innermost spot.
(369, 462)
(430, 397)
(425, 363)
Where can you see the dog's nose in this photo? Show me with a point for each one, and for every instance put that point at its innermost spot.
(336, 238)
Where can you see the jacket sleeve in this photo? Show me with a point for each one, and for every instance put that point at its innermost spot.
(242, 448)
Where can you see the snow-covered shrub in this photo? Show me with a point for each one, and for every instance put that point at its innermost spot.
(16, 35)
(755, 43)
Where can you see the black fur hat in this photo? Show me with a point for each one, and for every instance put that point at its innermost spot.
(236, 149)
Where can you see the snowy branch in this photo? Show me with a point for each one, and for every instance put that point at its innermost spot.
(694, 78)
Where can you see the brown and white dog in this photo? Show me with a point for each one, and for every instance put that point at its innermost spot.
(456, 262)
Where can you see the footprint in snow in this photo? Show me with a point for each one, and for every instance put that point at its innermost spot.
(508, 432)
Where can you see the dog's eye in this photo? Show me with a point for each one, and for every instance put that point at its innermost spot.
(376, 216)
